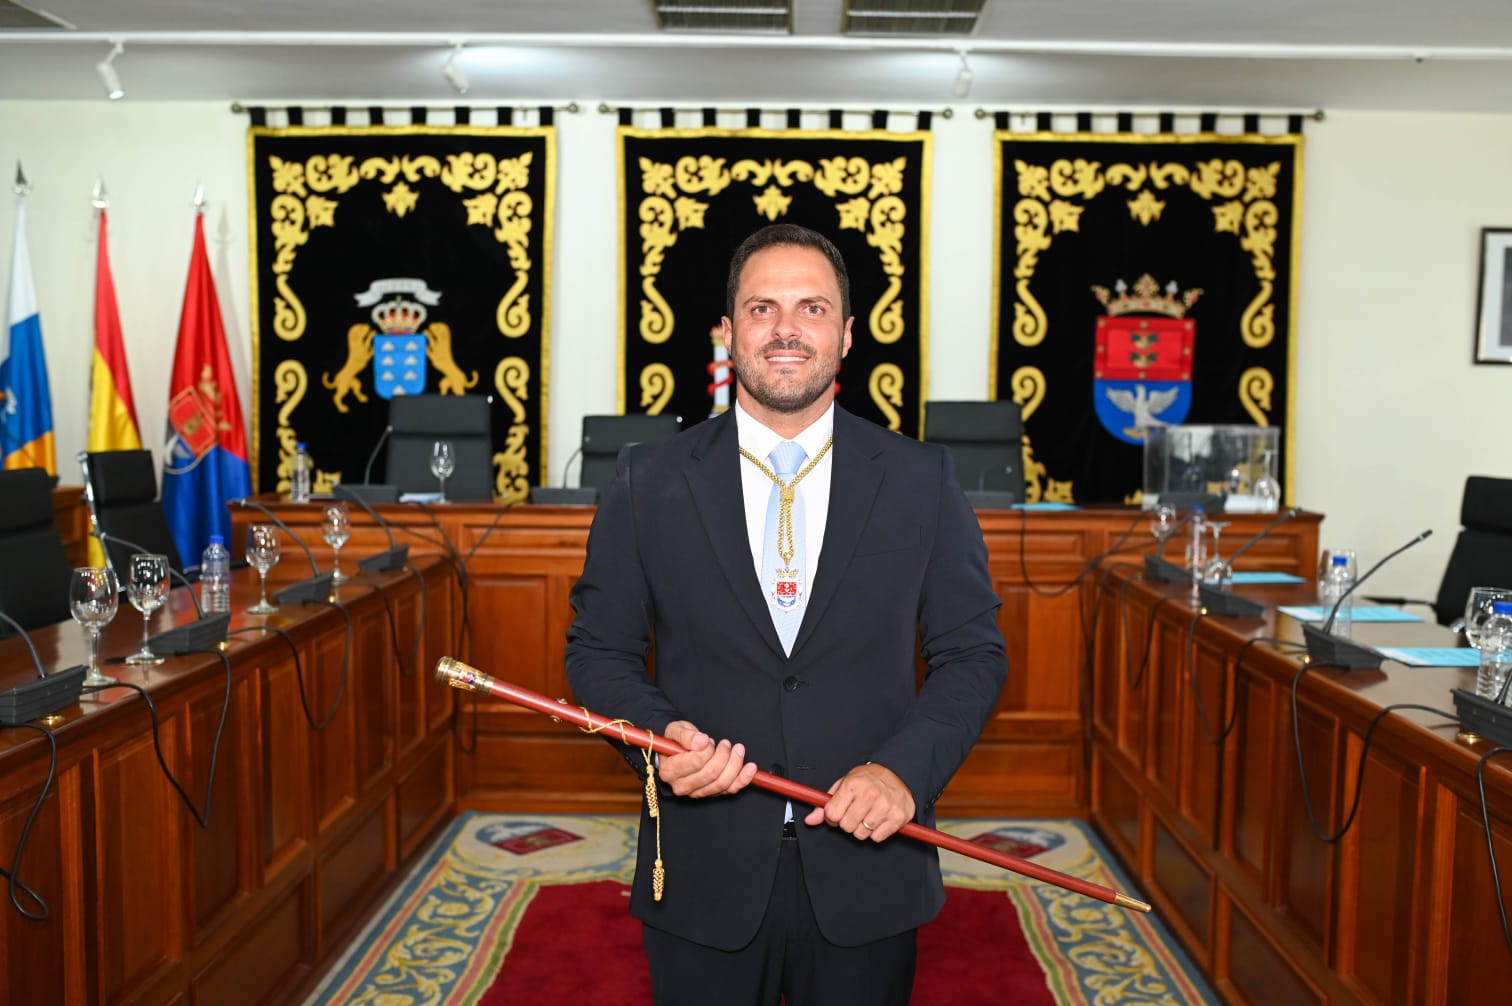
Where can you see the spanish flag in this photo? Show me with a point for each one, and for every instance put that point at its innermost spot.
(112, 412)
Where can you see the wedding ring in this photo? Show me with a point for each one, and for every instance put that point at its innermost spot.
(867, 826)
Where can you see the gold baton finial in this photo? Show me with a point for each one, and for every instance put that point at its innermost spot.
(459, 675)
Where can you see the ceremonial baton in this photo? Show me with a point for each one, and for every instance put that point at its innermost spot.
(460, 675)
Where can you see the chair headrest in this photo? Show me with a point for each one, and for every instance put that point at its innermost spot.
(118, 477)
(972, 421)
(431, 415)
(606, 435)
(1487, 504)
(28, 499)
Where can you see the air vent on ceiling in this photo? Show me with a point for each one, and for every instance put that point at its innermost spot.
(911, 17)
(13, 16)
(723, 15)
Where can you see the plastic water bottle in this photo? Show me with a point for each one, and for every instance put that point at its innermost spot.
(215, 576)
(1495, 653)
(299, 481)
(1196, 550)
(1335, 586)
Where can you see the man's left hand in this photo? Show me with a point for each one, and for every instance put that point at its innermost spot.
(869, 802)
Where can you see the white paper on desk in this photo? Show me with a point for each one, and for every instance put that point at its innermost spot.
(419, 497)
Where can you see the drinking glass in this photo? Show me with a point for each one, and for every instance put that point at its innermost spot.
(92, 599)
(1478, 609)
(147, 589)
(443, 463)
(1266, 489)
(1215, 572)
(1163, 525)
(337, 528)
(262, 552)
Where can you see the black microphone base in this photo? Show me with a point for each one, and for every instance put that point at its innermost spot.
(564, 495)
(368, 492)
(1491, 720)
(1186, 499)
(200, 634)
(993, 499)
(382, 562)
(41, 697)
(1160, 571)
(1336, 651)
(1226, 604)
(316, 590)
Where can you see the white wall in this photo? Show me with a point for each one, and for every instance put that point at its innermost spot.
(1390, 413)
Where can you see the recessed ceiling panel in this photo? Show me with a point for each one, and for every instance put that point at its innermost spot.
(911, 17)
(724, 15)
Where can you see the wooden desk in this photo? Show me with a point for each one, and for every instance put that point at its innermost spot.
(71, 515)
(1400, 910)
(522, 562)
(306, 829)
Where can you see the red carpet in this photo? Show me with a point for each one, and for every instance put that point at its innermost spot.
(578, 943)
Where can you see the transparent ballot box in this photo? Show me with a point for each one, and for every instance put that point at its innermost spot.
(1231, 466)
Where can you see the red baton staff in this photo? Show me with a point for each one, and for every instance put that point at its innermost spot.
(460, 675)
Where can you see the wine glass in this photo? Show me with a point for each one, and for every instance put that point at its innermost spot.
(1216, 572)
(1478, 609)
(262, 552)
(147, 589)
(336, 527)
(443, 462)
(92, 600)
(1163, 525)
(1266, 489)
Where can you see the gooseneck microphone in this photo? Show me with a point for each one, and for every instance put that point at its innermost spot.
(1156, 566)
(1227, 604)
(367, 473)
(201, 634)
(396, 556)
(317, 587)
(43, 695)
(1325, 648)
(563, 495)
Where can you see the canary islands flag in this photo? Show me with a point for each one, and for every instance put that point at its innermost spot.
(205, 458)
(26, 426)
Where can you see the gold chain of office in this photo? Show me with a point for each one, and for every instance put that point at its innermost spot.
(785, 544)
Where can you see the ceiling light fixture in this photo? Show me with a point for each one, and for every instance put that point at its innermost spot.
(962, 86)
(108, 75)
(454, 73)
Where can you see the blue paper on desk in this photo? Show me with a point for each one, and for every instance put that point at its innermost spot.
(1046, 507)
(1359, 613)
(1432, 656)
(1261, 576)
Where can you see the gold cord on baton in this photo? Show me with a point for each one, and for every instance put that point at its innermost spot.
(653, 808)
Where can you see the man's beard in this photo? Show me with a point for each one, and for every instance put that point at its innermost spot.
(787, 398)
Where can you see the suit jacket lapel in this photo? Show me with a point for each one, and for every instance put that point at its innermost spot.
(714, 481)
(854, 481)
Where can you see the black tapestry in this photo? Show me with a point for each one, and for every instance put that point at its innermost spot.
(1142, 279)
(397, 260)
(691, 196)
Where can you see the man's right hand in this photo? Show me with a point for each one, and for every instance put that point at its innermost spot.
(706, 769)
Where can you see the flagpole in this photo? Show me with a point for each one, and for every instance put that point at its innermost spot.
(459, 675)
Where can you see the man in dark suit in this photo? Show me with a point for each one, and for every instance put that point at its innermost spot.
(789, 562)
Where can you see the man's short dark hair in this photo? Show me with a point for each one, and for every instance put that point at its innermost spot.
(787, 235)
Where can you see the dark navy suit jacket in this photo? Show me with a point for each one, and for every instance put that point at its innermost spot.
(902, 571)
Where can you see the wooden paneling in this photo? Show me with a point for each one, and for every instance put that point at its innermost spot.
(1400, 909)
(145, 906)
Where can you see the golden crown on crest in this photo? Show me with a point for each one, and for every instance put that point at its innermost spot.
(399, 316)
(1146, 298)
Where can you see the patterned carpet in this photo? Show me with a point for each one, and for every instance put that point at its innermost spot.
(441, 938)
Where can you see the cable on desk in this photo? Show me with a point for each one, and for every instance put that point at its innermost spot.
(12, 876)
(1480, 785)
(202, 819)
(1149, 643)
(1312, 817)
(304, 700)
(1115, 549)
(459, 570)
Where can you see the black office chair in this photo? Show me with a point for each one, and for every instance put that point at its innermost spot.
(1482, 554)
(605, 436)
(419, 421)
(121, 489)
(987, 441)
(34, 568)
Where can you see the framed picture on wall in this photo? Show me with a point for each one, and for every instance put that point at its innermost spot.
(1493, 327)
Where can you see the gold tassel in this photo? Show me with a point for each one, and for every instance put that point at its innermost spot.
(659, 873)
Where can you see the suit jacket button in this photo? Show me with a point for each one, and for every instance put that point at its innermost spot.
(791, 684)
(777, 769)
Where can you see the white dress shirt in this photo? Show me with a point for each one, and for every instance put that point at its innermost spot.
(814, 490)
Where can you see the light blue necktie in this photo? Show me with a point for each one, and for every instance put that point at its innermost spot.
(785, 582)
